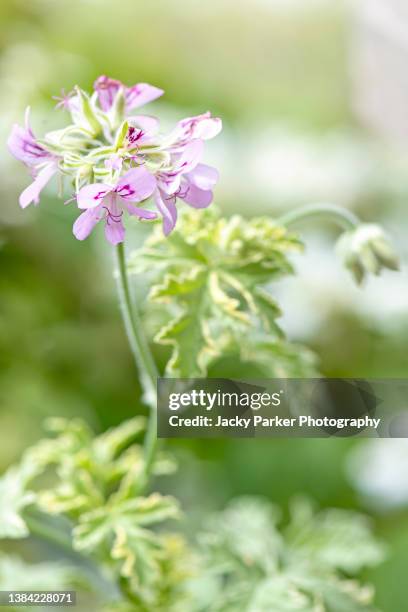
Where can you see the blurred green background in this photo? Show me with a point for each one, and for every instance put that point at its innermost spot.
(281, 75)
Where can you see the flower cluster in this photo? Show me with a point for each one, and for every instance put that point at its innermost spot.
(116, 160)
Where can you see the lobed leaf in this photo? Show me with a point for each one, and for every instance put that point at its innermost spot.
(334, 539)
(211, 273)
(122, 529)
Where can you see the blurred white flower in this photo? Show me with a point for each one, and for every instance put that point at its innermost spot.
(283, 167)
(378, 469)
(290, 166)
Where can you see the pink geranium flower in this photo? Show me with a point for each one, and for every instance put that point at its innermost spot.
(102, 201)
(42, 164)
(188, 179)
(135, 96)
(103, 142)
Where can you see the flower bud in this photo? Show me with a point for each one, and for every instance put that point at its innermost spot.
(366, 249)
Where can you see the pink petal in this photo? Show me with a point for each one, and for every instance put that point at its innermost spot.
(147, 123)
(135, 96)
(107, 89)
(203, 176)
(92, 195)
(198, 198)
(136, 137)
(142, 213)
(32, 192)
(136, 185)
(202, 126)
(140, 94)
(169, 182)
(23, 146)
(114, 230)
(208, 128)
(190, 156)
(85, 223)
(167, 209)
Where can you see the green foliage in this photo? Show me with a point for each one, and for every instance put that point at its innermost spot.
(254, 567)
(96, 483)
(243, 561)
(122, 529)
(336, 539)
(212, 274)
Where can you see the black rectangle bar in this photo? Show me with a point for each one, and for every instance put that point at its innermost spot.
(286, 407)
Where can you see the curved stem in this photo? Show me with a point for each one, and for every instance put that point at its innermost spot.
(341, 216)
(141, 352)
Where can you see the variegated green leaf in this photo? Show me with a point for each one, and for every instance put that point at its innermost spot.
(101, 525)
(123, 529)
(210, 272)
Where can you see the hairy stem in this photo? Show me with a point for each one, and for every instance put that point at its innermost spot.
(341, 216)
(141, 352)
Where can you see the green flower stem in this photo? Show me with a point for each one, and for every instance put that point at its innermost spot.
(341, 216)
(141, 352)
